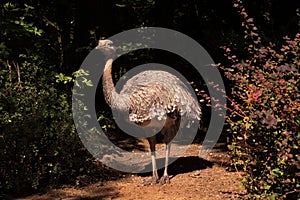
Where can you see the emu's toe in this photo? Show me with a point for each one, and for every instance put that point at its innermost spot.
(152, 181)
(164, 179)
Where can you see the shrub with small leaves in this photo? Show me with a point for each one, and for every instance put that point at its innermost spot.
(264, 114)
(39, 146)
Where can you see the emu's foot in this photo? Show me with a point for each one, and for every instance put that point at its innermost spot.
(164, 179)
(152, 181)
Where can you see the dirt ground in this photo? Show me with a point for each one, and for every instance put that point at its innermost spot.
(190, 178)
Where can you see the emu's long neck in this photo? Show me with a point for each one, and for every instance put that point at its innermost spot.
(112, 98)
(108, 84)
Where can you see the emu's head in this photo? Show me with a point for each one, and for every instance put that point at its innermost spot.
(107, 48)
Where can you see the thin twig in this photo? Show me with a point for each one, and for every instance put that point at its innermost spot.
(10, 78)
(236, 169)
(48, 22)
(290, 192)
(19, 75)
(236, 107)
(59, 39)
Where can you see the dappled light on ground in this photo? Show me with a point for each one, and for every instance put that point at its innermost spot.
(191, 178)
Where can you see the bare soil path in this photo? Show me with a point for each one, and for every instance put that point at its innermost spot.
(191, 178)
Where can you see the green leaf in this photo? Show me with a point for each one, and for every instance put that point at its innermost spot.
(267, 187)
(121, 5)
(273, 196)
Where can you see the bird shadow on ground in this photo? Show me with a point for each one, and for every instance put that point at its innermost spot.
(188, 164)
(127, 142)
(179, 166)
(182, 165)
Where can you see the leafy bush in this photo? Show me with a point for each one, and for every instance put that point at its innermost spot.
(38, 143)
(265, 114)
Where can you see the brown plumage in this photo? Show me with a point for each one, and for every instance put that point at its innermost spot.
(151, 98)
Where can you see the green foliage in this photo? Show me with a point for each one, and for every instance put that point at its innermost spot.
(39, 146)
(265, 115)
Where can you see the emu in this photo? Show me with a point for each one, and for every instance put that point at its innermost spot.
(150, 97)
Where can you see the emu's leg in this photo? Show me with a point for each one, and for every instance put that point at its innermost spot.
(152, 142)
(154, 168)
(165, 178)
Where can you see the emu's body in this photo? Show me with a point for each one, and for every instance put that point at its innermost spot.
(148, 97)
